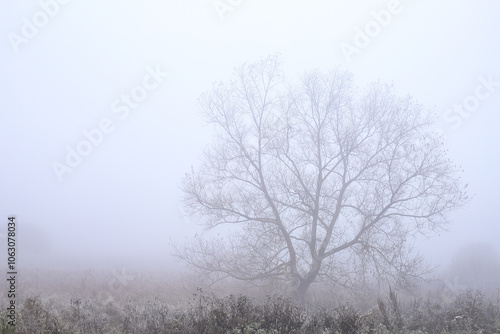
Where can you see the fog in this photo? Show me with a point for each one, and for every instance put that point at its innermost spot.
(68, 66)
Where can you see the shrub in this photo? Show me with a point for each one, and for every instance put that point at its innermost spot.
(468, 313)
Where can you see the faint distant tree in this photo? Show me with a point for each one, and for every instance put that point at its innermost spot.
(475, 266)
(323, 182)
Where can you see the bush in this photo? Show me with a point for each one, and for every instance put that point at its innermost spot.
(468, 313)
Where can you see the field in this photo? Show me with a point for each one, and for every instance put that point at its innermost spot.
(89, 301)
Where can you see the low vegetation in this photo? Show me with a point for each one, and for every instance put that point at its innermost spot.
(467, 312)
(121, 301)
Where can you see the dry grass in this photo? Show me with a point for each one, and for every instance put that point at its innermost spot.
(105, 302)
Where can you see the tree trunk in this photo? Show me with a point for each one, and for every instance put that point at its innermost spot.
(305, 282)
(301, 290)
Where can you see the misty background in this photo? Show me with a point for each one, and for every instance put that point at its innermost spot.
(120, 207)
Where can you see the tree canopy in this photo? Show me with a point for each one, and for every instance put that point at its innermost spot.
(324, 181)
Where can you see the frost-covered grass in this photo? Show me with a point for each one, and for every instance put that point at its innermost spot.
(150, 305)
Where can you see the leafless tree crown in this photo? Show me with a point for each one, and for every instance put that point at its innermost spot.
(324, 182)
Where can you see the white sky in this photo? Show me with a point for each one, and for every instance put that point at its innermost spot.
(120, 205)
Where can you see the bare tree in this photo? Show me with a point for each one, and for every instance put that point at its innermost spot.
(324, 183)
